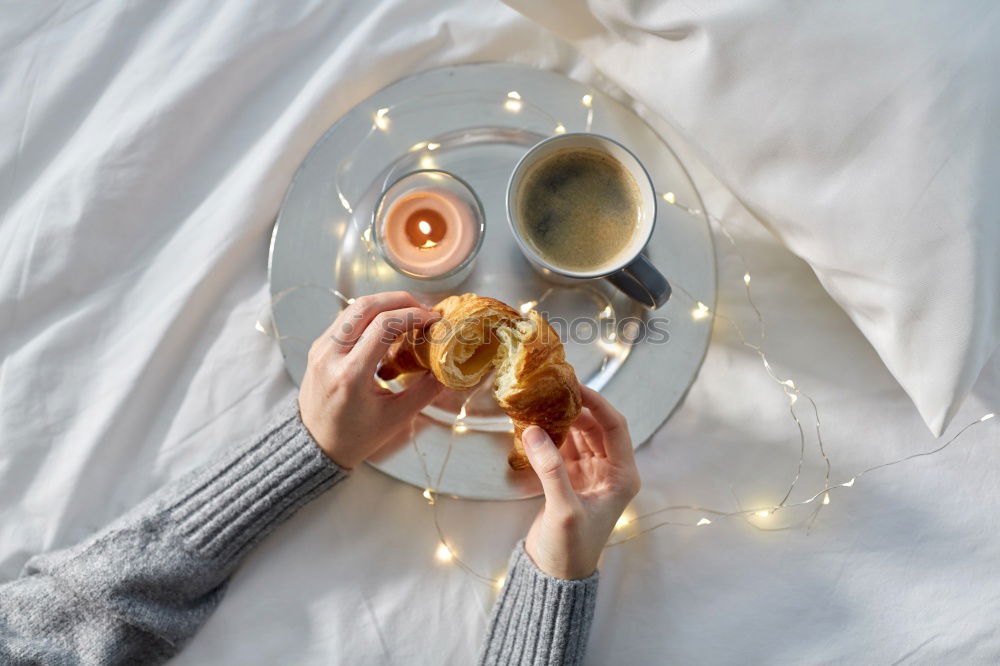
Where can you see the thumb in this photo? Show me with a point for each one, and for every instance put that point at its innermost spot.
(548, 465)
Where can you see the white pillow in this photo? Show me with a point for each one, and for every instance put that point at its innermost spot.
(866, 135)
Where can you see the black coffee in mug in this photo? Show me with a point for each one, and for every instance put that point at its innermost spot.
(579, 208)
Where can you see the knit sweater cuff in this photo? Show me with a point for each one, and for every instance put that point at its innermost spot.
(240, 499)
(539, 619)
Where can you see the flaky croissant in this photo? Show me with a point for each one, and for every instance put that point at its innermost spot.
(534, 384)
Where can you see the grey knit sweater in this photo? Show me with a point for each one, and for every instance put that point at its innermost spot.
(138, 590)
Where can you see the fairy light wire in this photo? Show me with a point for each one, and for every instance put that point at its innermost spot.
(792, 391)
(702, 311)
(446, 553)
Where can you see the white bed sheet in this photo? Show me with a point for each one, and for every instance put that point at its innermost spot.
(145, 150)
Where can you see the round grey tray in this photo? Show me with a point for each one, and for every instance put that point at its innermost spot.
(476, 121)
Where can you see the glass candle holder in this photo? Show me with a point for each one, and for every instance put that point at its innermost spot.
(429, 226)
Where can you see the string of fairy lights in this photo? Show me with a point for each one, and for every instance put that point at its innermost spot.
(637, 525)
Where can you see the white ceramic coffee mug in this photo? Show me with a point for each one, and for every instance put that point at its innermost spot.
(629, 271)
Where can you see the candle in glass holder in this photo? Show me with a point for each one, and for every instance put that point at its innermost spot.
(429, 225)
(428, 232)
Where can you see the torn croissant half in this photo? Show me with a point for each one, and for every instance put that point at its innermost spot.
(534, 384)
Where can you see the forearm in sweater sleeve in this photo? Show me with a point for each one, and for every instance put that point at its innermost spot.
(539, 620)
(137, 591)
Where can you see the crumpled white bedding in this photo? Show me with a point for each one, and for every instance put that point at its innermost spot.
(145, 150)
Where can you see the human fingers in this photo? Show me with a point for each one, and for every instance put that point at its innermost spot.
(355, 318)
(548, 464)
(617, 443)
(589, 433)
(383, 330)
(616, 438)
(417, 396)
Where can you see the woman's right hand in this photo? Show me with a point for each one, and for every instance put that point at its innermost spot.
(587, 484)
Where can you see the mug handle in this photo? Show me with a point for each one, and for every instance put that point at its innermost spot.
(640, 281)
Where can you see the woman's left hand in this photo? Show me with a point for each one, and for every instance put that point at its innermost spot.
(346, 412)
(587, 484)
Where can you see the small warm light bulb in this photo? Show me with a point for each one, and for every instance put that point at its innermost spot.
(987, 417)
(746, 278)
(703, 521)
(443, 552)
(792, 398)
(460, 428)
(433, 146)
(826, 498)
(382, 119)
(427, 162)
(789, 383)
(669, 197)
(763, 513)
(607, 312)
(848, 484)
(622, 522)
(498, 583)
(367, 234)
(428, 495)
(587, 100)
(699, 312)
(513, 103)
(560, 129)
(418, 146)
